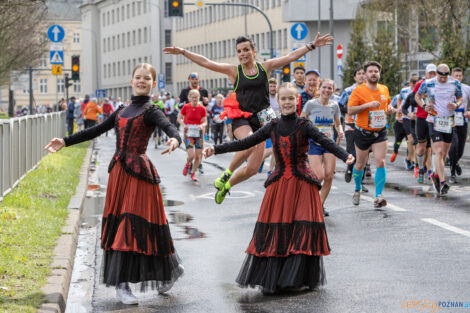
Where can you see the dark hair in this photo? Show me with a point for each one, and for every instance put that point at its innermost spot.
(414, 79)
(357, 70)
(457, 69)
(372, 63)
(272, 80)
(299, 68)
(241, 39)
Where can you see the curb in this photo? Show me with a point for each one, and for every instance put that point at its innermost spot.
(57, 287)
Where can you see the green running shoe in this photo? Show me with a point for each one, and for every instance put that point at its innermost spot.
(220, 195)
(219, 183)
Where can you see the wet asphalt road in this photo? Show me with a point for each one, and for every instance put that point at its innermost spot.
(417, 248)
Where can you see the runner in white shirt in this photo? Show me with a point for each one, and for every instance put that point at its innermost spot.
(445, 96)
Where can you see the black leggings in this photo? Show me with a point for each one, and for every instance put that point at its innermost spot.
(218, 130)
(350, 148)
(458, 145)
(400, 134)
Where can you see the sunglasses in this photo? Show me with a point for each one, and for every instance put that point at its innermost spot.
(442, 73)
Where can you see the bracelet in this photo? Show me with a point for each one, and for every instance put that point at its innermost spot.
(312, 46)
(183, 52)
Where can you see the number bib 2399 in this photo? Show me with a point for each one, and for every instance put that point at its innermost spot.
(326, 130)
(443, 124)
(266, 116)
(377, 119)
(193, 131)
(459, 119)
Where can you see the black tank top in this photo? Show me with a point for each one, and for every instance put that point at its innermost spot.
(252, 91)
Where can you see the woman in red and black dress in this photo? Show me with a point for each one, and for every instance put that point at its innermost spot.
(135, 235)
(290, 238)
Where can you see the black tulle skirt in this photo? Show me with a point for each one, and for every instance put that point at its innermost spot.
(273, 274)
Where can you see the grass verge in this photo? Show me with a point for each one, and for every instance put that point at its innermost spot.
(31, 218)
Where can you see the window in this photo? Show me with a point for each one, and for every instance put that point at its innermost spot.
(76, 38)
(139, 41)
(118, 41)
(128, 10)
(114, 69)
(128, 39)
(134, 64)
(123, 67)
(145, 33)
(145, 6)
(129, 67)
(139, 8)
(118, 69)
(168, 38)
(108, 19)
(122, 13)
(133, 9)
(123, 38)
(133, 37)
(169, 72)
(117, 15)
(109, 44)
(109, 70)
(114, 43)
(145, 60)
(60, 85)
(104, 71)
(76, 86)
(139, 60)
(104, 19)
(43, 60)
(279, 40)
(43, 85)
(104, 44)
(112, 16)
(284, 38)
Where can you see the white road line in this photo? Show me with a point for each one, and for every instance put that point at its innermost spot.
(389, 205)
(447, 226)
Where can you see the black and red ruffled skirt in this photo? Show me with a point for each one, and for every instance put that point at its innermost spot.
(135, 235)
(289, 239)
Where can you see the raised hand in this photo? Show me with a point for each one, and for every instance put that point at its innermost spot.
(173, 50)
(172, 144)
(55, 145)
(325, 40)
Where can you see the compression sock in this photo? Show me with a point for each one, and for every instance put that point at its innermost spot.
(396, 146)
(358, 178)
(380, 175)
(420, 159)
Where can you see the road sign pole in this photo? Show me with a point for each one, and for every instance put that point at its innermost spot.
(30, 90)
(332, 48)
(319, 30)
(66, 85)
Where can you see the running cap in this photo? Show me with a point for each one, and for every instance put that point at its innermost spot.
(313, 71)
(431, 68)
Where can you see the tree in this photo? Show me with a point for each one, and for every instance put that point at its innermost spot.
(358, 50)
(21, 35)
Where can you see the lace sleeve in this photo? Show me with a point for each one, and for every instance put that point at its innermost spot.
(155, 117)
(312, 132)
(91, 132)
(239, 145)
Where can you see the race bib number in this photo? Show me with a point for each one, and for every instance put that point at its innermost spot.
(193, 131)
(377, 119)
(326, 130)
(443, 124)
(459, 119)
(266, 116)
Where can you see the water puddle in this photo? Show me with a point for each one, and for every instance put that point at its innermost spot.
(180, 220)
(172, 202)
(421, 191)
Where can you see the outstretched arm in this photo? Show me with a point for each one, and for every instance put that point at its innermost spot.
(224, 68)
(319, 41)
(156, 118)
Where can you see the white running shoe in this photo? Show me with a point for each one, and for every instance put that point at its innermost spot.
(356, 197)
(124, 294)
(166, 287)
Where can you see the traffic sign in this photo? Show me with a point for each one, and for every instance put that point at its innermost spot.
(56, 47)
(55, 33)
(56, 57)
(339, 51)
(56, 69)
(299, 31)
(161, 84)
(296, 64)
(100, 93)
(161, 77)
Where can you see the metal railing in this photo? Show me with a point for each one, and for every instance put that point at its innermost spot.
(22, 140)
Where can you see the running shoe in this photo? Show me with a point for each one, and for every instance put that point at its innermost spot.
(364, 189)
(219, 183)
(220, 195)
(436, 182)
(356, 197)
(421, 176)
(393, 156)
(193, 176)
(452, 179)
(186, 168)
(124, 294)
(167, 286)
(380, 201)
(409, 165)
(458, 169)
(348, 174)
(444, 188)
(368, 171)
(416, 171)
(200, 169)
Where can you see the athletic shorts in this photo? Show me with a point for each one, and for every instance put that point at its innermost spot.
(400, 132)
(364, 139)
(193, 142)
(316, 149)
(269, 143)
(252, 121)
(439, 136)
(409, 126)
(422, 130)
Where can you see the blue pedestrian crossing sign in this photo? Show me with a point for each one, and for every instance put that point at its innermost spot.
(299, 31)
(55, 33)
(100, 93)
(56, 57)
(161, 81)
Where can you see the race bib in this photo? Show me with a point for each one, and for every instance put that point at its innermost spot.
(459, 120)
(326, 130)
(266, 116)
(443, 124)
(217, 119)
(377, 119)
(193, 131)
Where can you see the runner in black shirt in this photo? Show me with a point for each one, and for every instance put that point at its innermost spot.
(250, 79)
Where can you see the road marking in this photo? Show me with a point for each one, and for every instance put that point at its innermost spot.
(447, 226)
(389, 205)
(233, 194)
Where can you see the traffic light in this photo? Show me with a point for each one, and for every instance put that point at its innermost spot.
(75, 67)
(286, 73)
(175, 8)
